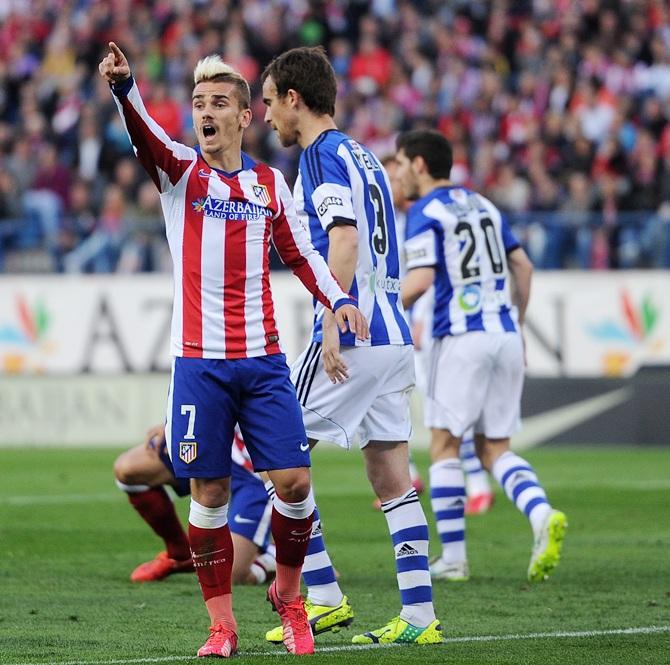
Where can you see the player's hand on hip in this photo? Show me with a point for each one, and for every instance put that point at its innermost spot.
(114, 67)
(333, 362)
(349, 317)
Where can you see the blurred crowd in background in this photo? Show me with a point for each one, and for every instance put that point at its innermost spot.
(558, 110)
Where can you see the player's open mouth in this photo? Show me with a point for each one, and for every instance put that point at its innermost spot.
(208, 130)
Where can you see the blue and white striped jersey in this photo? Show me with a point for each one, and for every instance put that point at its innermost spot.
(342, 182)
(465, 238)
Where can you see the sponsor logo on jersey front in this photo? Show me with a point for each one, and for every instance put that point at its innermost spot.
(470, 298)
(386, 284)
(188, 451)
(231, 211)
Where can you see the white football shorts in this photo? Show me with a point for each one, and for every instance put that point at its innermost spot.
(476, 379)
(371, 405)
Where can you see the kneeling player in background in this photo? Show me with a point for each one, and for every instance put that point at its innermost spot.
(143, 471)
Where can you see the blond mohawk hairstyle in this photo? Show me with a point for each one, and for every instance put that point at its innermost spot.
(213, 68)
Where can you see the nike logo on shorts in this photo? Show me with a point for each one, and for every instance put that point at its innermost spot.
(242, 520)
(304, 447)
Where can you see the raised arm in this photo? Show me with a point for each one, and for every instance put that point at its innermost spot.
(164, 160)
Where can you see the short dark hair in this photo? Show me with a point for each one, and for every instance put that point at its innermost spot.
(432, 146)
(308, 71)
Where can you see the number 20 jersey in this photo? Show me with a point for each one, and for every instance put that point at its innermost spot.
(342, 182)
(465, 238)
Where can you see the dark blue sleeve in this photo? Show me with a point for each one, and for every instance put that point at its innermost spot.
(509, 239)
(325, 165)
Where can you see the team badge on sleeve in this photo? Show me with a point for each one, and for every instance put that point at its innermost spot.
(188, 451)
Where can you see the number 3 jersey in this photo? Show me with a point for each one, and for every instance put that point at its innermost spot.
(342, 182)
(465, 238)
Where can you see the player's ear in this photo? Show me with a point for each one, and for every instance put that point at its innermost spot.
(419, 165)
(293, 97)
(245, 118)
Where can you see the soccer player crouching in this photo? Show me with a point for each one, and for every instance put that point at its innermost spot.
(143, 472)
(221, 208)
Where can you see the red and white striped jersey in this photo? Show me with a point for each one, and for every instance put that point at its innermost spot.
(219, 228)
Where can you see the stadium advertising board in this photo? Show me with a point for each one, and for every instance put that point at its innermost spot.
(579, 325)
(84, 360)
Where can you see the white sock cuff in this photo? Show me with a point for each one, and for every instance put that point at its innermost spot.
(132, 489)
(207, 518)
(392, 503)
(295, 511)
(506, 461)
(259, 573)
(449, 463)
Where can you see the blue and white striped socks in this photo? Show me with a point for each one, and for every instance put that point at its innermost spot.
(476, 477)
(447, 497)
(522, 487)
(318, 573)
(409, 533)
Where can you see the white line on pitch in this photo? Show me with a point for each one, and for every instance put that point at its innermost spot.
(642, 630)
(651, 484)
(57, 499)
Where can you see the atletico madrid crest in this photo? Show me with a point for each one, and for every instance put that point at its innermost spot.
(188, 451)
(262, 194)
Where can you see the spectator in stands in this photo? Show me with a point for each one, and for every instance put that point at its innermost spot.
(45, 202)
(521, 84)
(100, 251)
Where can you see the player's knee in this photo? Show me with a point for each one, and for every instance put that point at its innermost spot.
(123, 470)
(294, 488)
(210, 493)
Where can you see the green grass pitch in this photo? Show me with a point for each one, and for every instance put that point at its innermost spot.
(69, 539)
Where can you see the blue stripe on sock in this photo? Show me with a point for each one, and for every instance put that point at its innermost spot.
(445, 492)
(315, 546)
(409, 563)
(321, 576)
(451, 514)
(419, 532)
(415, 595)
(535, 502)
(452, 537)
(514, 469)
(521, 487)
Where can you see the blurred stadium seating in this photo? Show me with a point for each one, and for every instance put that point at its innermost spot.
(557, 110)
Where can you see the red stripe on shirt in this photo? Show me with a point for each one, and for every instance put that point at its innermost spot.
(291, 256)
(235, 279)
(151, 151)
(192, 276)
(237, 440)
(266, 177)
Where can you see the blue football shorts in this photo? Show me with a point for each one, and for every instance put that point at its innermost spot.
(208, 396)
(249, 509)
